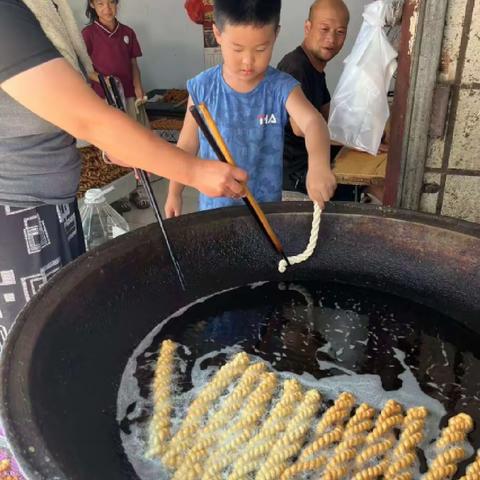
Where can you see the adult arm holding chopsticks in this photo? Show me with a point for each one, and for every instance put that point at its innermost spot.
(57, 93)
(188, 141)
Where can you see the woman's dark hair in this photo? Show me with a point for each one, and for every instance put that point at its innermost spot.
(247, 12)
(90, 12)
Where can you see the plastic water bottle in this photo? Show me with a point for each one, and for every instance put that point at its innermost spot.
(100, 221)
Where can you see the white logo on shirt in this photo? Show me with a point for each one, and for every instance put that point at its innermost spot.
(126, 39)
(267, 119)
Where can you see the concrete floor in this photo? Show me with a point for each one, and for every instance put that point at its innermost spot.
(139, 218)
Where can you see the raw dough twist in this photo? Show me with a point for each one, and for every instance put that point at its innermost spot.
(312, 243)
(260, 445)
(290, 443)
(182, 441)
(159, 430)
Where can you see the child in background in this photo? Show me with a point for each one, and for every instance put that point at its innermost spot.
(251, 103)
(114, 49)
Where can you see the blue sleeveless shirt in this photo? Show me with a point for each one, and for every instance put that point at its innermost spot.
(252, 125)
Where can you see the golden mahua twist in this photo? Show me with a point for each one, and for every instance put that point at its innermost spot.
(328, 431)
(243, 429)
(290, 443)
(159, 430)
(449, 448)
(473, 470)
(241, 436)
(354, 438)
(200, 407)
(260, 445)
(372, 462)
(192, 463)
(404, 455)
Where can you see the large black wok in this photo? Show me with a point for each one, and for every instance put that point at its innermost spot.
(62, 363)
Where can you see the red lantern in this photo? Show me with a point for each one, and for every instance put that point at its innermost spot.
(200, 11)
(195, 10)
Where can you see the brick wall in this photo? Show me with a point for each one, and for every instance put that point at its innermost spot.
(452, 175)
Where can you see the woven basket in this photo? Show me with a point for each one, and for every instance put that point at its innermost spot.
(95, 172)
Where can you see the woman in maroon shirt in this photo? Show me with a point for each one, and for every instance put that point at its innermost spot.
(114, 49)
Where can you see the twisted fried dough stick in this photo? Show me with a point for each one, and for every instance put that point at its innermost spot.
(405, 476)
(290, 443)
(449, 453)
(404, 455)
(312, 464)
(353, 438)
(337, 414)
(159, 430)
(329, 430)
(378, 442)
(182, 440)
(261, 444)
(192, 463)
(456, 431)
(473, 470)
(243, 429)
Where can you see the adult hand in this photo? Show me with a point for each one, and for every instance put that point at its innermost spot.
(321, 184)
(217, 179)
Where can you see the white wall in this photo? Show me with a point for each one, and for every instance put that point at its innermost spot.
(173, 46)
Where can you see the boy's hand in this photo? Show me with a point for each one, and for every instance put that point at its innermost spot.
(217, 179)
(173, 205)
(321, 184)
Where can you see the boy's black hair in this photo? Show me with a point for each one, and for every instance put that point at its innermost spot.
(247, 12)
(91, 13)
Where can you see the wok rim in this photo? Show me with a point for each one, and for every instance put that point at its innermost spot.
(70, 275)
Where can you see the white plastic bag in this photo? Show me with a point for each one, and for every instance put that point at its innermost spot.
(359, 107)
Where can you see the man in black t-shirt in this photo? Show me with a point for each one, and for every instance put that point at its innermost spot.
(325, 32)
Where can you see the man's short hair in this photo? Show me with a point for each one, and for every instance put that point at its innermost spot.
(247, 12)
(316, 3)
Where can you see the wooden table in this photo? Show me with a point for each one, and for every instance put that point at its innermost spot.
(358, 168)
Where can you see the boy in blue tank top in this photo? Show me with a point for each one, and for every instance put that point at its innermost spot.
(251, 103)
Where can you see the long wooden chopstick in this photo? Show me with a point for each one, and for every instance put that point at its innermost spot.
(209, 128)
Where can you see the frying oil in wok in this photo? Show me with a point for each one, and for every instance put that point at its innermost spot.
(331, 337)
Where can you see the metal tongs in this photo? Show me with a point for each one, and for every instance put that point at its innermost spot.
(207, 125)
(115, 99)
